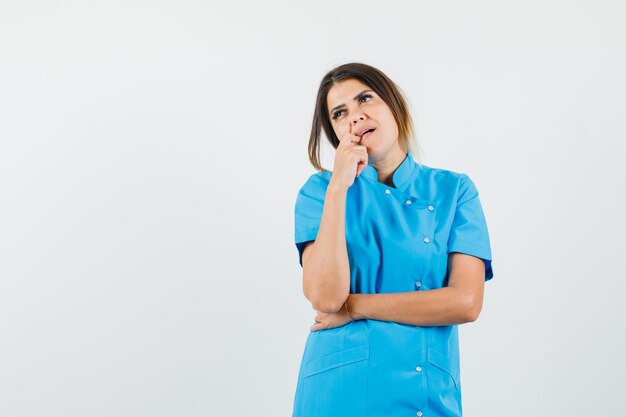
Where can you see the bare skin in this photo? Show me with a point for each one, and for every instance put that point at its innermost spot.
(384, 151)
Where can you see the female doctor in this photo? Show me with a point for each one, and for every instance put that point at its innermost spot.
(394, 255)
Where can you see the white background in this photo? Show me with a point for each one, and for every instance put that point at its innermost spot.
(150, 156)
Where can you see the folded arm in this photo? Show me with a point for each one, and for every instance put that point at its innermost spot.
(460, 302)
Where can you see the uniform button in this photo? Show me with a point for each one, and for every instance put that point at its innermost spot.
(418, 369)
(426, 240)
(419, 414)
(431, 208)
(387, 191)
(418, 284)
(418, 326)
(409, 202)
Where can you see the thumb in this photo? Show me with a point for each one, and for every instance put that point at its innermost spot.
(360, 167)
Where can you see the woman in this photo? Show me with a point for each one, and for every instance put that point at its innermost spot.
(394, 254)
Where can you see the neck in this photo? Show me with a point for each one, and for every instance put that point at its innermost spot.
(387, 166)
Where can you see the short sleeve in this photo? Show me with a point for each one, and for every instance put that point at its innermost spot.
(469, 233)
(308, 210)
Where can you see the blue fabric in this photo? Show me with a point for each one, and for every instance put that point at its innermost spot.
(398, 240)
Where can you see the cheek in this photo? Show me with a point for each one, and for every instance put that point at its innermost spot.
(392, 126)
(340, 129)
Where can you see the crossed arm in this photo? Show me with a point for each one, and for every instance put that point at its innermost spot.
(460, 302)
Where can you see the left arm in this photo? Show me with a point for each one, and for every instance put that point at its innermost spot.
(460, 302)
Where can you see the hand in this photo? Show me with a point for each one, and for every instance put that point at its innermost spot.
(350, 157)
(330, 320)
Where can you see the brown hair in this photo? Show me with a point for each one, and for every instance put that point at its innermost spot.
(375, 79)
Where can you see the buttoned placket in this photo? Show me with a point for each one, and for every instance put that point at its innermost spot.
(426, 240)
(418, 285)
(399, 179)
(400, 176)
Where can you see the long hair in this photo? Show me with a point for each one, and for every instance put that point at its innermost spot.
(375, 79)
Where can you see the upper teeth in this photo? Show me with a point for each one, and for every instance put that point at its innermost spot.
(365, 131)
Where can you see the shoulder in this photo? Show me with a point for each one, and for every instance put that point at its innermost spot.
(452, 182)
(446, 176)
(316, 181)
(313, 192)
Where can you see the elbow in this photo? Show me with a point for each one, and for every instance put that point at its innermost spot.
(471, 315)
(471, 309)
(325, 295)
(327, 304)
(324, 302)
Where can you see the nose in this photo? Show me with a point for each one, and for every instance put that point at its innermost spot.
(356, 117)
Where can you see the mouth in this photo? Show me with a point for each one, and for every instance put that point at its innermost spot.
(367, 132)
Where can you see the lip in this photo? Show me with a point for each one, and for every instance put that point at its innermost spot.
(360, 134)
(368, 134)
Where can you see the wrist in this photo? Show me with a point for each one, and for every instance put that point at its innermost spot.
(352, 307)
(336, 188)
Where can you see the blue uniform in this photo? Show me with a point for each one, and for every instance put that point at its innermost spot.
(398, 240)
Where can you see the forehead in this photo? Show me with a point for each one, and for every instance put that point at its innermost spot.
(344, 92)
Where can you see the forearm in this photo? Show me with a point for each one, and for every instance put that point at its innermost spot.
(327, 272)
(437, 307)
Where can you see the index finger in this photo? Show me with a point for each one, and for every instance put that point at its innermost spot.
(348, 138)
(342, 133)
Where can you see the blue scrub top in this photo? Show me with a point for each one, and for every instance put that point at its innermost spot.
(398, 239)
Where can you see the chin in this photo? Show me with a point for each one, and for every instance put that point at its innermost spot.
(372, 154)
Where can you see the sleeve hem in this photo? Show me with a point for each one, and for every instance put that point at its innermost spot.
(306, 235)
(303, 237)
(475, 250)
(480, 251)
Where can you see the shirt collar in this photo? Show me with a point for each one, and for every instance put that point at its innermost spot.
(400, 175)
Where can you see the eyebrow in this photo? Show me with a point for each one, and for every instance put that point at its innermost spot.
(355, 98)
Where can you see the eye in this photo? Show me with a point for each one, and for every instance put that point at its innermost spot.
(337, 113)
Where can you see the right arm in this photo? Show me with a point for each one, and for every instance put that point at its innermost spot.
(325, 264)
